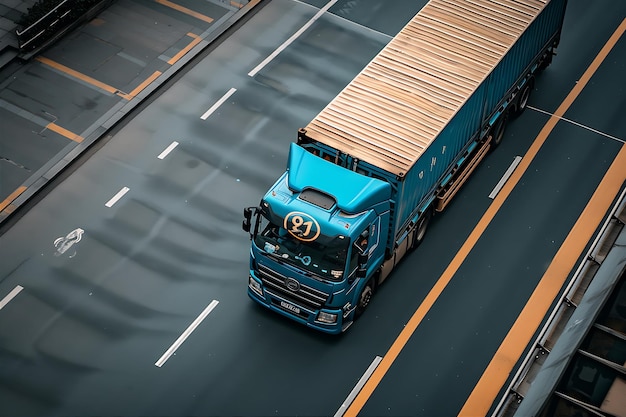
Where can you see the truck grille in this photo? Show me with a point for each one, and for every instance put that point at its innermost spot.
(305, 296)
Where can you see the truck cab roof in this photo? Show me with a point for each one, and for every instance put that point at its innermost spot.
(352, 192)
(346, 197)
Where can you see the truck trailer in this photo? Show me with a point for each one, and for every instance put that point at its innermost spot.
(366, 175)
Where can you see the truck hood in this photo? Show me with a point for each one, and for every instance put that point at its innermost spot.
(353, 192)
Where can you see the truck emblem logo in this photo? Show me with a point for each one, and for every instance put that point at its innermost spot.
(302, 226)
(292, 285)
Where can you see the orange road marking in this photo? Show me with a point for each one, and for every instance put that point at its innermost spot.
(15, 194)
(63, 131)
(196, 40)
(185, 10)
(454, 265)
(141, 86)
(493, 379)
(94, 82)
(236, 4)
(77, 74)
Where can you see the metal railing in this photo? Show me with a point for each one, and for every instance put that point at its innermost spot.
(56, 21)
(47, 23)
(558, 318)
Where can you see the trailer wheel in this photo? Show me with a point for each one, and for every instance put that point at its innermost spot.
(547, 60)
(522, 101)
(497, 131)
(420, 230)
(365, 297)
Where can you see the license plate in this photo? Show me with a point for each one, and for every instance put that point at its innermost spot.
(290, 307)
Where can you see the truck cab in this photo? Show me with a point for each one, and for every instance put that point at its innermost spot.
(314, 253)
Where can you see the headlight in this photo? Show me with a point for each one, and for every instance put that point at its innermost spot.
(255, 286)
(324, 317)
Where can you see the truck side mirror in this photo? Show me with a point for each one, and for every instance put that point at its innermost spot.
(361, 271)
(363, 241)
(247, 219)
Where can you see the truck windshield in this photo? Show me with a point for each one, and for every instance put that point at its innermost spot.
(325, 256)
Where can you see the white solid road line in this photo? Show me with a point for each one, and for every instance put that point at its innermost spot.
(167, 150)
(219, 103)
(291, 39)
(15, 291)
(186, 333)
(359, 385)
(505, 177)
(579, 125)
(117, 196)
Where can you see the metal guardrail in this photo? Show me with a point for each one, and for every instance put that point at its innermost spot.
(558, 319)
(63, 17)
(48, 22)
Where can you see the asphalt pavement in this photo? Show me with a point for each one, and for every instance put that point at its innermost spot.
(93, 319)
(58, 103)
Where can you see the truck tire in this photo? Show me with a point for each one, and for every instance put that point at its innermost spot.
(497, 131)
(420, 230)
(545, 63)
(365, 297)
(523, 96)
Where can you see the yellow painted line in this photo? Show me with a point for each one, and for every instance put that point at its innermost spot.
(94, 82)
(15, 194)
(493, 379)
(236, 4)
(185, 10)
(78, 75)
(63, 131)
(141, 86)
(196, 40)
(454, 265)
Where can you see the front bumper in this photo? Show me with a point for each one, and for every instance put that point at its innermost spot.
(293, 310)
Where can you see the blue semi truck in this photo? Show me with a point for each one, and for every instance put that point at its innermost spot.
(367, 174)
